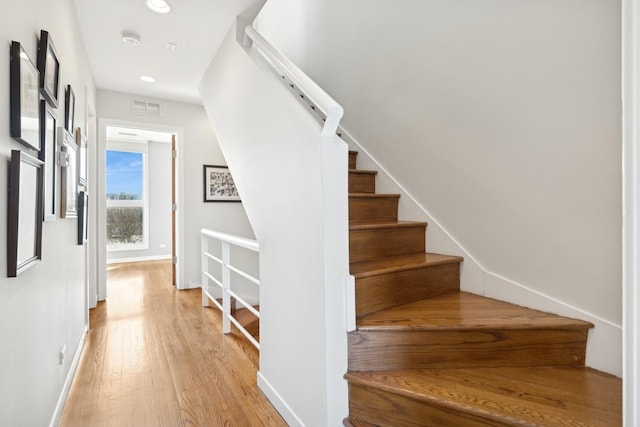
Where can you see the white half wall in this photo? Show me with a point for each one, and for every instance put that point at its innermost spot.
(44, 309)
(282, 168)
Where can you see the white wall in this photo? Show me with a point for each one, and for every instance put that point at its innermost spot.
(200, 147)
(294, 186)
(503, 119)
(43, 308)
(159, 234)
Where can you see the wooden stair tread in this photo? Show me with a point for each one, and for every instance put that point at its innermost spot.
(373, 196)
(464, 311)
(354, 422)
(400, 263)
(546, 396)
(382, 225)
(363, 172)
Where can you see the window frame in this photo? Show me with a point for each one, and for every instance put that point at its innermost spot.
(132, 147)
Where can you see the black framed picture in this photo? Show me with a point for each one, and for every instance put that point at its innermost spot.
(24, 98)
(83, 204)
(47, 154)
(218, 185)
(69, 108)
(24, 225)
(49, 68)
(68, 160)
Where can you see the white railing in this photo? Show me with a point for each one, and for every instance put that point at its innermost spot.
(316, 96)
(224, 282)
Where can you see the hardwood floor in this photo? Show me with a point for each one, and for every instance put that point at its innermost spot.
(155, 357)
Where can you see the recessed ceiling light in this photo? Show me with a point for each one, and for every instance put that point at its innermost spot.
(160, 6)
(130, 39)
(171, 47)
(147, 79)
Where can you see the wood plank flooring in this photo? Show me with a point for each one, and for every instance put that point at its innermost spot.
(155, 357)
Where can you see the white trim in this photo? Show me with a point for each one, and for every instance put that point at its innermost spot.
(604, 346)
(350, 303)
(630, 212)
(101, 190)
(62, 399)
(138, 259)
(278, 402)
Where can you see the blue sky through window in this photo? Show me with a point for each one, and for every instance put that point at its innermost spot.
(124, 173)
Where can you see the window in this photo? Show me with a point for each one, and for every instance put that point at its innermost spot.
(127, 200)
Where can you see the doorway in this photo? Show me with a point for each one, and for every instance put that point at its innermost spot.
(138, 196)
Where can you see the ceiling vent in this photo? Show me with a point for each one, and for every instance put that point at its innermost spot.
(145, 108)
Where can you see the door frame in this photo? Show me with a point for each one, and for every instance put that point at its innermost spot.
(101, 189)
(631, 210)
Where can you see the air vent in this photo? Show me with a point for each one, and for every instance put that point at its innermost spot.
(145, 108)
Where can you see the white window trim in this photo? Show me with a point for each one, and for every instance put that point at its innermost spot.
(133, 147)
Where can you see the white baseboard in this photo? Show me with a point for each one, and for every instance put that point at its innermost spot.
(278, 402)
(604, 346)
(62, 399)
(138, 259)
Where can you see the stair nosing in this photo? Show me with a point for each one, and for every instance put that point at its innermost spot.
(415, 266)
(381, 225)
(363, 171)
(470, 328)
(373, 196)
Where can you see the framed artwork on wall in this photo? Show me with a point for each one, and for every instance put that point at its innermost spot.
(69, 108)
(218, 185)
(24, 225)
(24, 98)
(49, 68)
(83, 204)
(47, 155)
(68, 160)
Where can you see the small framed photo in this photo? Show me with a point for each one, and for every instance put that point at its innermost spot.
(219, 185)
(83, 204)
(49, 67)
(24, 98)
(47, 154)
(68, 160)
(24, 225)
(69, 108)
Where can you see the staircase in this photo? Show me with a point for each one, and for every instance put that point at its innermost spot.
(426, 354)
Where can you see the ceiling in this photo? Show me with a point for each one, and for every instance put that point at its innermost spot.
(196, 27)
